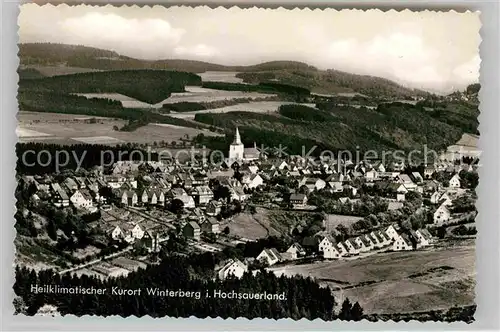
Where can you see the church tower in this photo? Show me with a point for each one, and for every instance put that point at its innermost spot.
(236, 148)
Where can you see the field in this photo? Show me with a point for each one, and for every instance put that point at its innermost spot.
(333, 220)
(391, 284)
(127, 102)
(220, 76)
(73, 129)
(250, 226)
(193, 94)
(197, 94)
(257, 107)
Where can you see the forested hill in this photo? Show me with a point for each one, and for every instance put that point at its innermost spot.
(33, 55)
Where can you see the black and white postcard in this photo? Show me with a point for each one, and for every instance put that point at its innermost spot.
(257, 163)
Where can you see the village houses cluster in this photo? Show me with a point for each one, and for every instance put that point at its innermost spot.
(194, 188)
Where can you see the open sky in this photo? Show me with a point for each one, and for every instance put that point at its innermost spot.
(436, 51)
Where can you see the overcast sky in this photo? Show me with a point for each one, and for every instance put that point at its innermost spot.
(428, 50)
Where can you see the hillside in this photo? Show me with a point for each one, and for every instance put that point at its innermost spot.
(36, 55)
(390, 126)
(150, 86)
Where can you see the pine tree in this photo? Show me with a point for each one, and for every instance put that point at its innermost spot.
(345, 312)
(356, 312)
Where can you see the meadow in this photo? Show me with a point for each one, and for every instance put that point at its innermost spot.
(432, 279)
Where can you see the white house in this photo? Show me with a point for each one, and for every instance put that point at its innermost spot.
(402, 242)
(269, 256)
(296, 251)
(233, 267)
(442, 214)
(351, 246)
(391, 232)
(251, 181)
(132, 232)
(455, 181)
(82, 199)
(342, 249)
(424, 237)
(116, 233)
(362, 244)
(328, 248)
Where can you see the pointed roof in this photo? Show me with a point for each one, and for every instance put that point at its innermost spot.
(237, 138)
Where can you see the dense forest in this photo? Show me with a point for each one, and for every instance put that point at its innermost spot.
(285, 72)
(149, 86)
(304, 297)
(391, 126)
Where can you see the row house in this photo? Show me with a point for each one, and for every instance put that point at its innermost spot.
(129, 198)
(153, 197)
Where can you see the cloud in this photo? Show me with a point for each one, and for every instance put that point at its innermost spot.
(468, 72)
(402, 57)
(129, 36)
(422, 50)
(198, 51)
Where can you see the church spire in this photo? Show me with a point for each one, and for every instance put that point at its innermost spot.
(237, 138)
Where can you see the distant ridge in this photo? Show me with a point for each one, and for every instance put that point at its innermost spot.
(33, 55)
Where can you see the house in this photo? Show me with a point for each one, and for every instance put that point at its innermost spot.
(129, 198)
(363, 244)
(60, 197)
(442, 214)
(203, 195)
(210, 226)
(454, 181)
(327, 247)
(70, 184)
(315, 184)
(252, 181)
(371, 175)
(131, 232)
(192, 231)
(342, 249)
(269, 256)
(298, 200)
(238, 194)
(82, 199)
(392, 232)
(335, 186)
(296, 251)
(187, 200)
(151, 241)
(402, 242)
(417, 178)
(424, 236)
(351, 247)
(233, 267)
(116, 233)
(429, 171)
(213, 208)
(435, 197)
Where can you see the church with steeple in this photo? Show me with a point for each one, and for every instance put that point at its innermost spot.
(238, 152)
